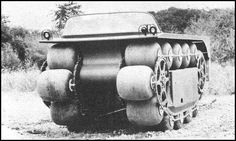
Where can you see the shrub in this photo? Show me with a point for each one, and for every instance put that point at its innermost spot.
(175, 20)
(219, 25)
(36, 52)
(9, 58)
(222, 79)
(20, 80)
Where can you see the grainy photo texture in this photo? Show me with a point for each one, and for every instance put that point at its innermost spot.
(118, 70)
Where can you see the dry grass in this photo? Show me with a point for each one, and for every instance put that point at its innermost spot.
(222, 80)
(32, 121)
(23, 81)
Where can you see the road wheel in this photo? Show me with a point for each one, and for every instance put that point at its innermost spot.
(195, 112)
(166, 123)
(144, 113)
(177, 125)
(187, 119)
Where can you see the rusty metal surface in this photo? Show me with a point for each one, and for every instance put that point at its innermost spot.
(184, 86)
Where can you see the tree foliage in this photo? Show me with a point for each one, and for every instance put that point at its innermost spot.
(19, 32)
(20, 47)
(175, 19)
(219, 25)
(64, 12)
(5, 31)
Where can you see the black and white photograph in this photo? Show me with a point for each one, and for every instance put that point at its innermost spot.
(117, 70)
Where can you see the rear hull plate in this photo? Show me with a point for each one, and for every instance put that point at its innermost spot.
(183, 89)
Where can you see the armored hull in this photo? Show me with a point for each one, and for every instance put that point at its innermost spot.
(121, 62)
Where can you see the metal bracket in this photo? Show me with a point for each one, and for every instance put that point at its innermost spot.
(71, 85)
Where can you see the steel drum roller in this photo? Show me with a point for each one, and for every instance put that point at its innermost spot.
(61, 58)
(167, 51)
(133, 83)
(99, 74)
(186, 55)
(177, 59)
(142, 54)
(103, 55)
(64, 113)
(144, 113)
(53, 85)
(193, 59)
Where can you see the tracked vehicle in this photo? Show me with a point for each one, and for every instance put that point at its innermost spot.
(108, 63)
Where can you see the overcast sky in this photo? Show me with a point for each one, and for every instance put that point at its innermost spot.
(38, 15)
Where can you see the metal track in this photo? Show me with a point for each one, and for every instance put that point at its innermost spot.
(160, 78)
(173, 55)
(74, 85)
(163, 104)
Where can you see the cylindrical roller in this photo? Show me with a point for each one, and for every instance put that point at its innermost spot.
(177, 59)
(99, 74)
(64, 113)
(102, 55)
(144, 113)
(61, 57)
(199, 54)
(186, 55)
(142, 54)
(133, 83)
(167, 51)
(193, 58)
(53, 85)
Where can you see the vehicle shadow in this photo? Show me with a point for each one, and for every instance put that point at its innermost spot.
(116, 124)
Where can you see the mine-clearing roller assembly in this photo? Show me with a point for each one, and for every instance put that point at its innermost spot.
(110, 63)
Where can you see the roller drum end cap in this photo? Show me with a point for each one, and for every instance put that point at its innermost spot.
(53, 85)
(133, 83)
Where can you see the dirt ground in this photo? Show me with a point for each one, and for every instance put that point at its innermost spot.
(24, 116)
